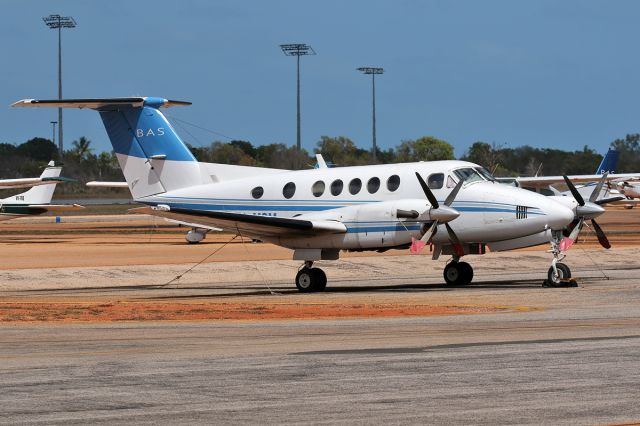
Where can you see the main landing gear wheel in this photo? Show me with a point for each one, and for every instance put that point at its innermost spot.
(458, 273)
(310, 280)
(562, 279)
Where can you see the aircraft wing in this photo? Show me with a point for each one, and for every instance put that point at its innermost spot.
(625, 202)
(250, 225)
(30, 182)
(103, 184)
(544, 181)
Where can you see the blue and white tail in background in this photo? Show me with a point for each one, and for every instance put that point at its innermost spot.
(609, 162)
(152, 156)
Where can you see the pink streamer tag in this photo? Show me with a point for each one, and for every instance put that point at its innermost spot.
(566, 243)
(416, 246)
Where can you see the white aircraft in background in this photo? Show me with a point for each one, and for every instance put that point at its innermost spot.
(617, 184)
(36, 200)
(544, 184)
(455, 205)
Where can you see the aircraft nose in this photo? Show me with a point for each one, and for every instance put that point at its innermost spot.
(589, 210)
(558, 216)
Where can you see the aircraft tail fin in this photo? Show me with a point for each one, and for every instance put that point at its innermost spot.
(152, 156)
(41, 194)
(609, 162)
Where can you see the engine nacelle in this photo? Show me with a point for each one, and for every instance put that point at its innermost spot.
(369, 226)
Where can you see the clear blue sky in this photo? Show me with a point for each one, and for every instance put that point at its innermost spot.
(560, 74)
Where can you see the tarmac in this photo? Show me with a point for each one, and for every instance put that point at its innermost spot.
(387, 343)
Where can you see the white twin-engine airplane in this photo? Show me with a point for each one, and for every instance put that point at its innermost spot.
(36, 200)
(455, 205)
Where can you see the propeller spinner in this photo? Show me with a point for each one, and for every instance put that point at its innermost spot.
(588, 210)
(442, 214)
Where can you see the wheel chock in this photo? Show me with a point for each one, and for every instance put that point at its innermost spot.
(569, 282)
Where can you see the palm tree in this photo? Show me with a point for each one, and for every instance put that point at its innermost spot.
(81, 148)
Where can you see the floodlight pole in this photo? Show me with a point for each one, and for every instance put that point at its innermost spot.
(299, 49)
(60, 140)
(373, 71)
(53, 132)
(298, 133)
(58, 22)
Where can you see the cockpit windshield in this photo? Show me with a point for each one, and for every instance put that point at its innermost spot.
(468, 175)
(486, 174)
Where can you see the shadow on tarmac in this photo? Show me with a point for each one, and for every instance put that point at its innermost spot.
(224, 291)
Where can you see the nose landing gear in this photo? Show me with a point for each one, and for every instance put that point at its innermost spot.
(559, 274)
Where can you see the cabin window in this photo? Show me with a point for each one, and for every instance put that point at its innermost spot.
(485, 174)
(336, 187)
(355, 186)
(436, 181)
(373, 185)
(393, 183)
(318, 188)
(450, 182)
(257, 192)
(468, 175)
(289, 189)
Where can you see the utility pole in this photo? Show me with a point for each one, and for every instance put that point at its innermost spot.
(299, 49)
(57, 22)
(373, 71)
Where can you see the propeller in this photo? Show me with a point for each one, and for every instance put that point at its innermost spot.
(442, 214)
(587, 210)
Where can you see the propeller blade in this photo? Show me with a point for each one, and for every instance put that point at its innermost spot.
(576, 230)
(430, 232)
(608, 200)
(598, 188)
(567, 231)
(453, 194)
(427, 192)
(457, 247)
(574, 191)
(602, 238)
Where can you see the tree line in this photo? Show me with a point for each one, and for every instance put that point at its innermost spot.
(81, 163)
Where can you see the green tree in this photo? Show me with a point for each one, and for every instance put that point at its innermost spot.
(81, 148)
(281, 156)
(484, 154)
(245, 146)
(629, 148)
(341, 151)
(39, 149)
(226, 153)
(426, 148)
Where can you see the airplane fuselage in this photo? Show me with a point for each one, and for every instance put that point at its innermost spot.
(367, 198)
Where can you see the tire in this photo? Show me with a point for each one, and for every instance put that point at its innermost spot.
(563, 273)
(467, 273)
(454, 274)
(320, 279)
(305, 280)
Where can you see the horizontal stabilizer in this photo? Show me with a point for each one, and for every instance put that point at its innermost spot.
(99, 103)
